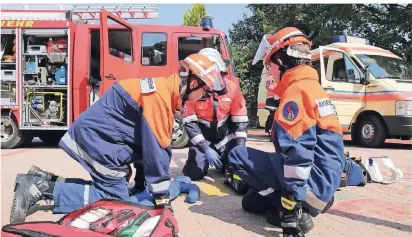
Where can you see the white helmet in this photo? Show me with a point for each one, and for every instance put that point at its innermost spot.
(215, 57)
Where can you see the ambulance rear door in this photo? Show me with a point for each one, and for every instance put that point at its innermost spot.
(118, 50)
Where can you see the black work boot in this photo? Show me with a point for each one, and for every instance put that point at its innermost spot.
(273, 216)
(30, 190)
(36, 171)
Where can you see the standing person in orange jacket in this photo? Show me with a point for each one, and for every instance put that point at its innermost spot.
(300, 178)
(216, 122)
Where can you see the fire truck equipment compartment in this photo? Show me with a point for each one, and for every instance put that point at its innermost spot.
(8, 75)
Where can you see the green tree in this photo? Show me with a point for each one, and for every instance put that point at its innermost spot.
(385, 25)
(245, 38)
(192, 17)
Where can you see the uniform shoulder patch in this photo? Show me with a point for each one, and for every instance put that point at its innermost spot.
(147, 85)
(290, 111)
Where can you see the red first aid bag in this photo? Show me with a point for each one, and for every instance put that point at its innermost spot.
(106, 217)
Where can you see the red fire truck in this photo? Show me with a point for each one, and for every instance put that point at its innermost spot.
(57, 63)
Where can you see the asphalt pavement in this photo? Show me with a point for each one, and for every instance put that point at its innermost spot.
(374, 210)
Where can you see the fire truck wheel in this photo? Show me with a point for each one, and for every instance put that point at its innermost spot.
(11, 136)
(372, 132)
(51, 138)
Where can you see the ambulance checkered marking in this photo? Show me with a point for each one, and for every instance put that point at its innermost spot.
(325, 107)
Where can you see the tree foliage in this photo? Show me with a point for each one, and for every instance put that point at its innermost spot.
(388, 26)
(192, 17)
(245, 38)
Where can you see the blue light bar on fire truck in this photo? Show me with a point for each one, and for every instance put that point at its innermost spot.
(350, 39)
(206, 22)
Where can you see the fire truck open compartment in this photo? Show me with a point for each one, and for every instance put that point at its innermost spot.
(44, 78)
(8, 67)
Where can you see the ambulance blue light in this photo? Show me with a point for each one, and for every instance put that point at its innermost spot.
(350, 39)
(206, 22)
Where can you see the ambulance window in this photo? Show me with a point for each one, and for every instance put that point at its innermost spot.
(316, 66)
(352, 72)
(339, 71)
(154, 51)
(343, 70)
(120, 44)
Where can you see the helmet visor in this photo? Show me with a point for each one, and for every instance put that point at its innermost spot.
(213, 78)
(263, 49)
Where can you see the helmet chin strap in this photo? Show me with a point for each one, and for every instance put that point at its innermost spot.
(189, 90)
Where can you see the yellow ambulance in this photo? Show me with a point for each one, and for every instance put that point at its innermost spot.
(370, 87)
(263, 113)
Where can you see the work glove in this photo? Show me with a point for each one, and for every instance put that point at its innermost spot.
(213, 158)
(290, 216)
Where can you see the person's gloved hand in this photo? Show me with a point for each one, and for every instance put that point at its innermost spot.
(213, 158)
(290, 216)
(181, 184)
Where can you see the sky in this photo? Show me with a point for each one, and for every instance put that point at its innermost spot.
(224, 15)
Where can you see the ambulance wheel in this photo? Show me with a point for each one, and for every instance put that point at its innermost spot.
(11, 136)
(51, 138)
(180, 138)
(372, 132)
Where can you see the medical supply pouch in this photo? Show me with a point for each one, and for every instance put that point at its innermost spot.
(354, 172)
(106, 217)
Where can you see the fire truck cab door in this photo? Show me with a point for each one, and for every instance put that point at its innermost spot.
(118, 52)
